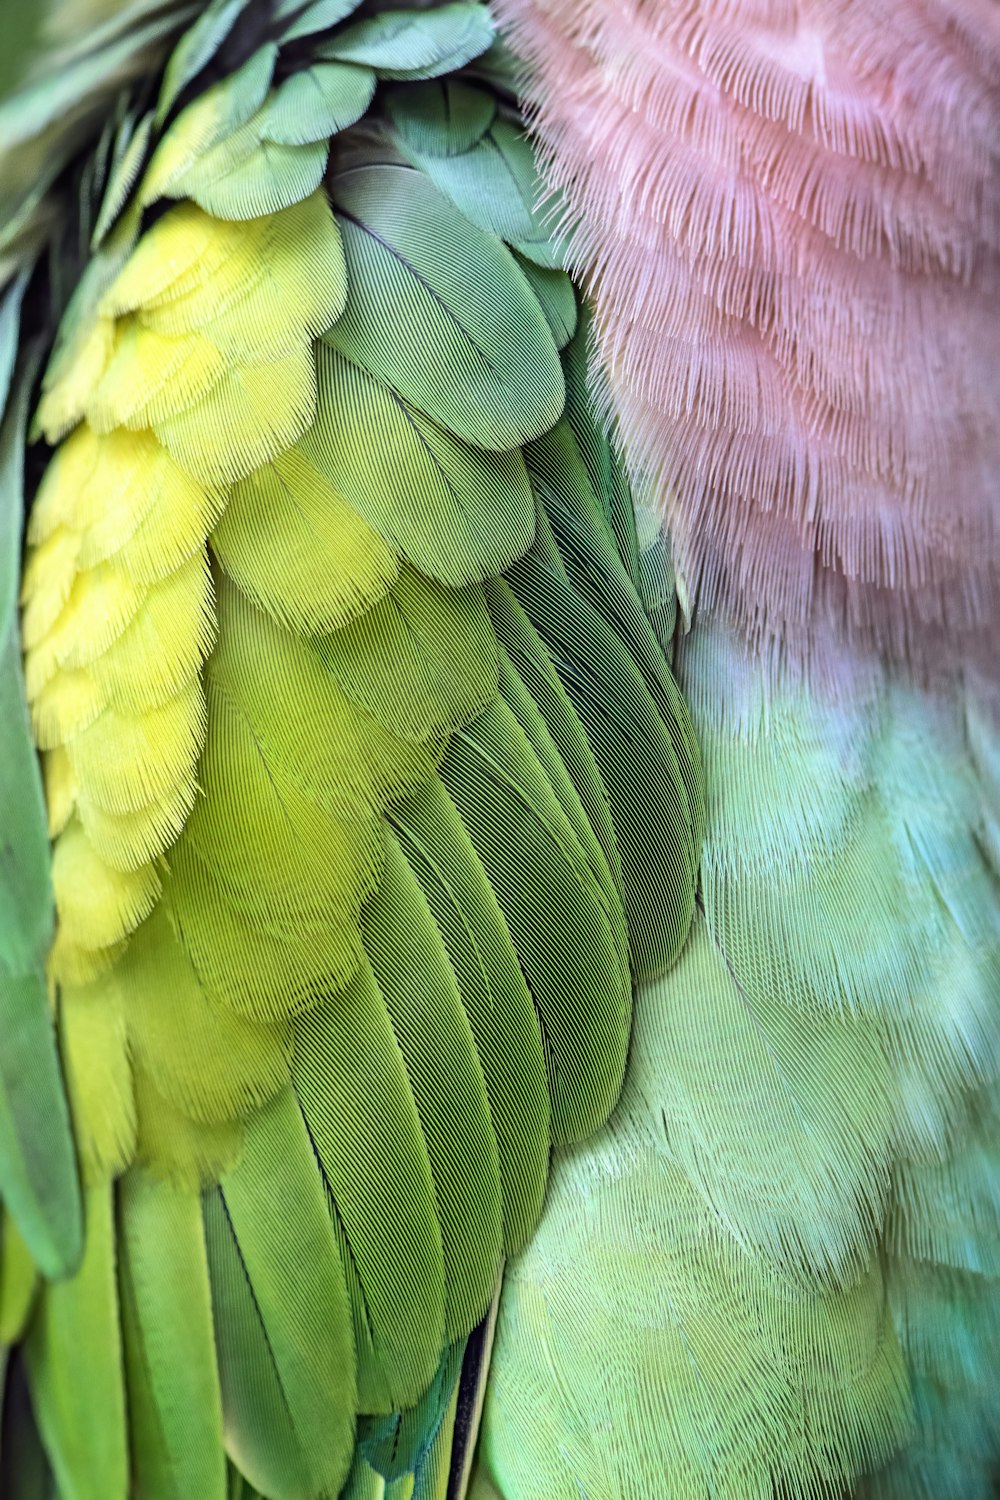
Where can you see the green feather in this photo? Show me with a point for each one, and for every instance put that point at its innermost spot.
(307, 20)
(536, 677)
(493, 993)
(37, 1167)
(556, 298)
(411, 966)
(492, 180)
(398, 1445)
(442, 118)
(415, 44)
(248, 173)
(282, 1313)
(18, 1282)
(175, 1406)
(526, 712)
(195, 50)
(421, 663)
(132, 147)
(594, 566)
(351, 1083)
(318, 102)
(478, 356)
(25, 1473)
(572, 960)
(633, 748)
(74, 1360)
(457, 513)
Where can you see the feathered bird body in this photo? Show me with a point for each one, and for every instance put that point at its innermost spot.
(416, 805)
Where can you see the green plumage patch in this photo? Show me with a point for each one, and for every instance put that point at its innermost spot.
(351, 894)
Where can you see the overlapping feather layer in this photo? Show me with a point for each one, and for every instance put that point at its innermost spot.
(777, 1265)
(331, 584)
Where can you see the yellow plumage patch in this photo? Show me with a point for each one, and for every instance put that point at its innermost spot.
(127, 761)
(99, 1078)
(298, 549)
(65, 401)
(60, 789)
(165, 645)
(258, 291)
(128, 840)
(251, 415)
(48, 582)
(62, 703)
(152, 377)
(98, 905)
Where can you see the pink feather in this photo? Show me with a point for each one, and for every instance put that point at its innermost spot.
(788, 213)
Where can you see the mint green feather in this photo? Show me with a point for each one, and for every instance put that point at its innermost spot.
(304, 19)
(196, 48)
(489, 174)
(405, 244)
(416, 44)
(318, 102)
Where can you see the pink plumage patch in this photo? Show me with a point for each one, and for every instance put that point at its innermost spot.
(789, 214)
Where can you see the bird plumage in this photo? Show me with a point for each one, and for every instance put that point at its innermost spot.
(524, 980)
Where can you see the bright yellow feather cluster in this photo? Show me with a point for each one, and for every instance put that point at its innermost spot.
(192, 372)
(197, 369)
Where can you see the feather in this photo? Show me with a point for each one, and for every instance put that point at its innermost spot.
(775, 235)
(294, 1298)
(175, 1406)
(302, 744)
(421, 44)
(376, 1168)
(494, 996)
(403, 240)
(37, 1169)
(436, 1041)
(74, 1362)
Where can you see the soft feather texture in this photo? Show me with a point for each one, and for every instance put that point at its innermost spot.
(777, 1263)
(789, 214)
(345, 937)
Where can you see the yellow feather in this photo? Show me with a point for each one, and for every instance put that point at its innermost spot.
(68, 472)
(128, 840)
(127, 761)
(49, 575)
(184, 250)
(60, 789)
(102, 602)
(97, 906)
(298, 549)
(280, 288)
(95, 1055)
(64, 705)
(66, 401)
(152, 377)
(253, 413)
(165, 645)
